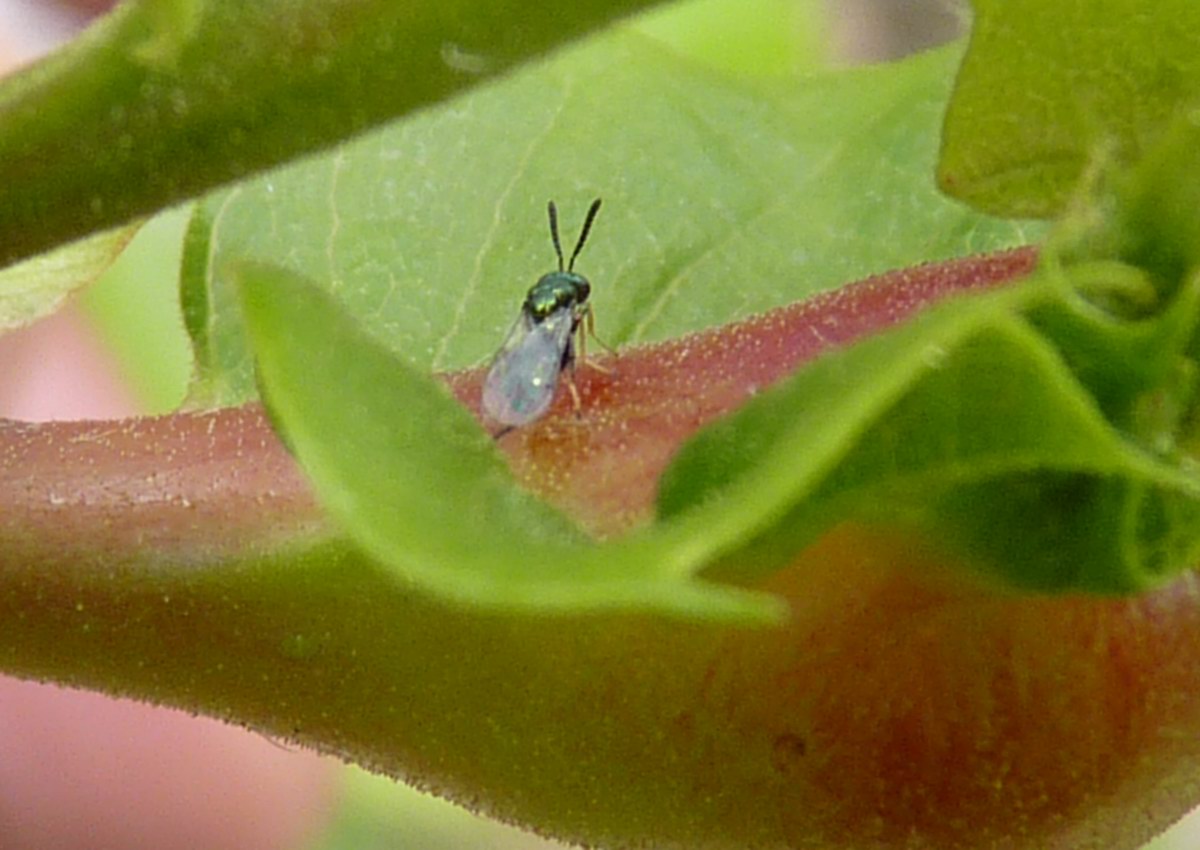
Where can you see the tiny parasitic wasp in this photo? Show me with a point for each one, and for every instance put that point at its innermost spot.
(524, 374)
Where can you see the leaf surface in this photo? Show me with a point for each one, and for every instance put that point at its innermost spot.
(1047, 90)
(722, 199)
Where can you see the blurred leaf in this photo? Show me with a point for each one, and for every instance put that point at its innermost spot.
(1048, 432)
(37, 287)
(722, 199)
(420, 486)
(163, 99)
(968, 424)
(1047, 89)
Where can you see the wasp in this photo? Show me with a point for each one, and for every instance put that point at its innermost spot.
(524, 375)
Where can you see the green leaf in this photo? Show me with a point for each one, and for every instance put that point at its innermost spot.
(722, 199)
(1047, 433)
(163, 99)
(421, 487)
(1048, 89)
(1154, 223)
(966, 424)
(38, 287)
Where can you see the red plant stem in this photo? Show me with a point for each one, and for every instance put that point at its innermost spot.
(603, 468)
(195, 486)
(188, 486)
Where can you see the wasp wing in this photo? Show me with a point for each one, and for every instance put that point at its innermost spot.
(524, 374)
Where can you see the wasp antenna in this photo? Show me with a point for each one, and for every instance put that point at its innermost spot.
(552, 211)
(583, 234)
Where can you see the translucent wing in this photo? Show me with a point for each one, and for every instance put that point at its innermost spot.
(524, 375)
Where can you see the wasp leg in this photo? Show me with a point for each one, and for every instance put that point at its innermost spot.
(590, 319)
(591, 329)
(575, 400)
(506, 429)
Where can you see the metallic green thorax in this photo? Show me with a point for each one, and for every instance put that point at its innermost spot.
(554, 291)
